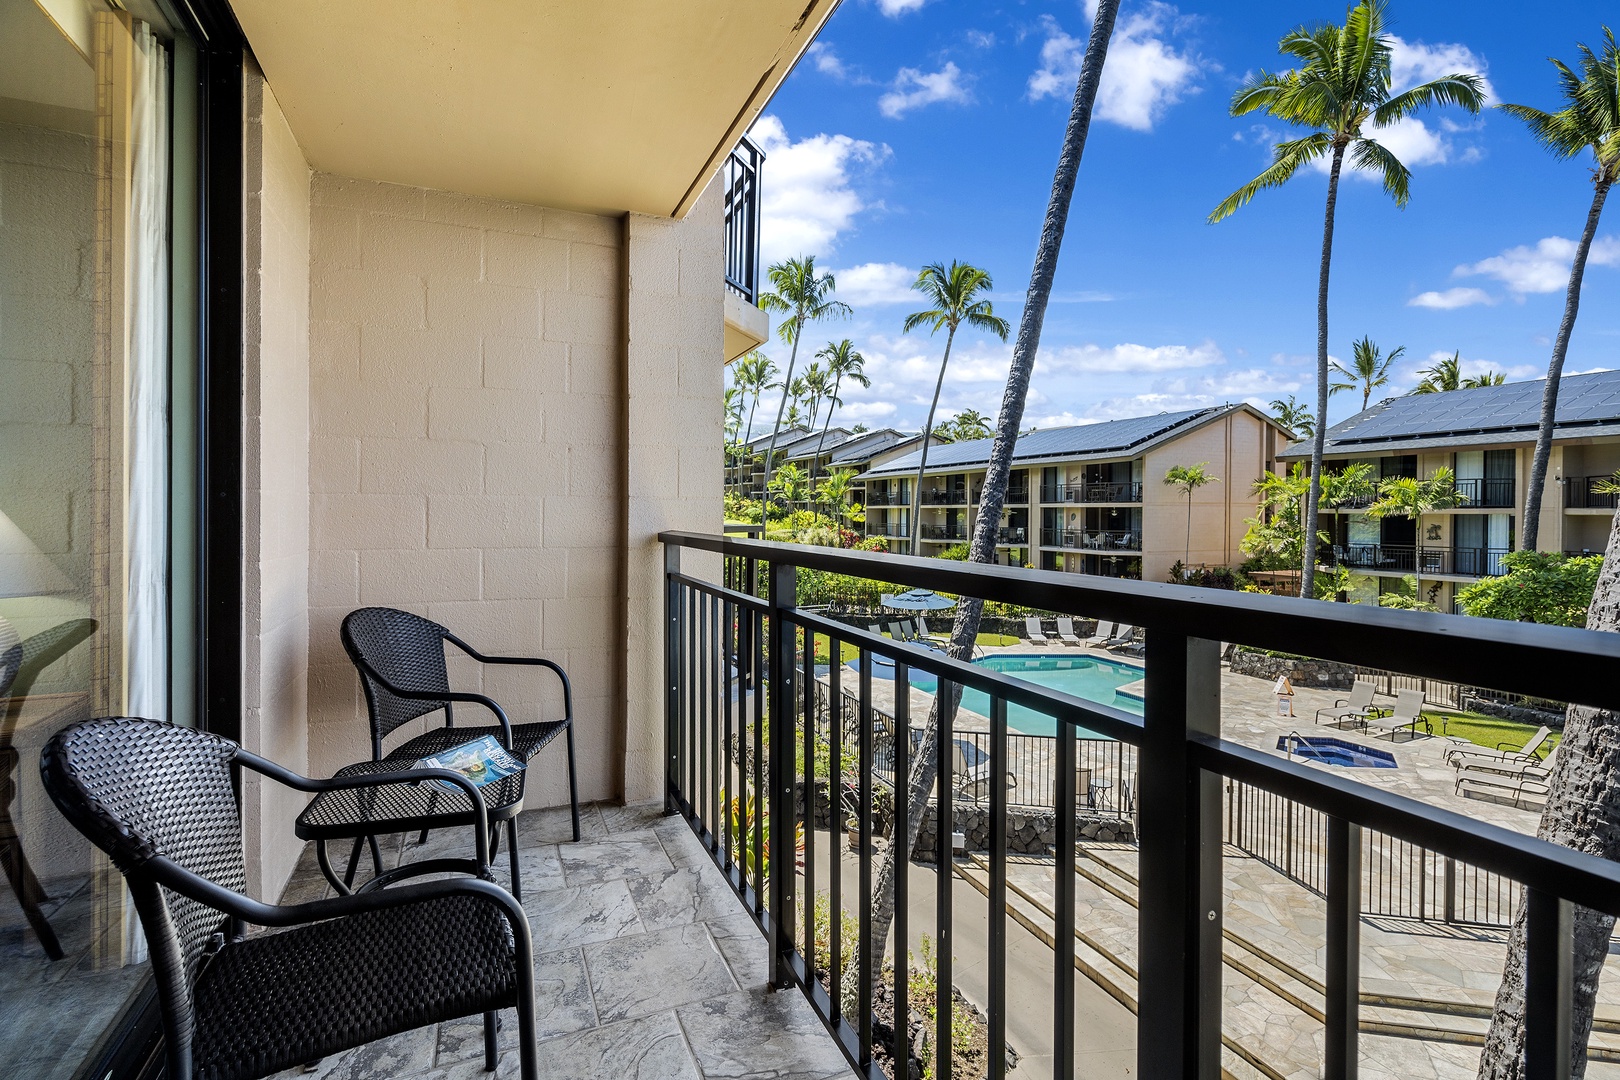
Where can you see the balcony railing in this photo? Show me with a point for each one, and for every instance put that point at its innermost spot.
(880, 497)
(1100, 540)
(741, 177)
(896, 530)
(823, 776)
(1092, 493)
(1495, 491)
(1015, 496)
(1579, 493)
(1012, 534)
(944, 497)
(943, 532)
(1410, 559)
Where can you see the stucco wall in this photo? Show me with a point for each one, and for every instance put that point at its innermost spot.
(466, 433)
(1234, 448)
(276, 474)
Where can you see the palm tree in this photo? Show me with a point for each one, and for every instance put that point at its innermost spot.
(1368, 371)
(1343, 84)
(752, 374)
(1590, 120)
(1294, 416)
(1188, 479)
(1409, 497)
(806, 297)
(954, 291)
(965, 426)
(1444, 377)
(965, 629)
(843, 362)
(816, 385)
(833, 492)
(1479, 382)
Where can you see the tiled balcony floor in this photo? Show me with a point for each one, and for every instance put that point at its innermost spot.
(646, 966)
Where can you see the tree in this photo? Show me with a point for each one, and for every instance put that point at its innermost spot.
(1539, 586)
(1590, 120)
(954, 291)
(1188, 479)
(752, 374)
(1276, 534)
(1444, 377)
(965, 426)
(791, 483)
(817, 385)
(805, 297)
(1409, 497)
(1342, 84)
(1368, 371)
(843, 362)
(965, 628)
(1478, 382)
(1293, 416)
(833, 492)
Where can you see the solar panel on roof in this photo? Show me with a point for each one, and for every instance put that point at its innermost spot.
(1582, 399)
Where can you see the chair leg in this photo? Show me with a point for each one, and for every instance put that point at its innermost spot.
(376, 856)
(29, 894)
(573, 785)
(423, 838)
(512, 854)
(528, 1063)
(491, 1051)
(354, 862)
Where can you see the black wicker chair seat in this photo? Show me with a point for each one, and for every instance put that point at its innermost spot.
(278, 1000)
(527, 739)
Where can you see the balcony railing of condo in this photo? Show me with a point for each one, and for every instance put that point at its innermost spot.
(888, 529)
(718, 748)
(944, 497)
(1490, 491)
(1099, 540)
(883, 497)
(1579, 493)
(1012, 534)
(1018, 496)
(1411, 559)
(741, 179)
(1092, 493)
(943, 532)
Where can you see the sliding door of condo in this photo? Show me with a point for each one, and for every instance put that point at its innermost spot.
(87, 356)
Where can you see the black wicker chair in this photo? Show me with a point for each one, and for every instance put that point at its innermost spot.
(159, 800)
(401, 659)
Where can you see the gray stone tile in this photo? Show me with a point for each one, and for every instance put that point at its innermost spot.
(652, 1048)
(638, 976)
(553, 825)
(540, 866)
(562, 994)
(681, 844)
(760, 1036)
(620, 819)
(682, 895)
(401, 1055)
(581, 915)
(614, 857)
(463, 1040)
(744, 948)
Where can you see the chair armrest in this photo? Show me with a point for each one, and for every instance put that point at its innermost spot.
(529, 661)
(441, 695)
(294, 780)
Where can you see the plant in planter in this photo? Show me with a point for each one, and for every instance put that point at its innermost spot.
(747, 808)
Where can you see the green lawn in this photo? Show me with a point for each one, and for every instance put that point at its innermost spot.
(1486, 731)
(850, 652)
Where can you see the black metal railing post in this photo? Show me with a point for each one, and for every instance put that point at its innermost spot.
(672, 673)
(782, 599)
(1548, 985)
(1179, 928)
(1343, 962)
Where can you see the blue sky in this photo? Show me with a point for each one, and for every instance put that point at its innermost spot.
(926, 130)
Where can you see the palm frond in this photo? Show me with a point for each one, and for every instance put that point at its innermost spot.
(1375, 156)
(989, 322)
(1463, 91)
(1288, 157)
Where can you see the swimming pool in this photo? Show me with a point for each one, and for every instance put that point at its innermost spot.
(1346, 755)
(1093, 678)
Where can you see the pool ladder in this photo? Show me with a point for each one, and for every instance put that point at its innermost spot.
(1291, 740)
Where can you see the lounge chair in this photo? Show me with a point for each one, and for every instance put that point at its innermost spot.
(1124, 639)
(923, 633)
(1407, 714)
(1496, 784)
(1532, 770)
(904, 631)
(1033, 632)
(1525, 755)
(1358, 706)
(1104, 634)
(1065, 631)
(974, 780)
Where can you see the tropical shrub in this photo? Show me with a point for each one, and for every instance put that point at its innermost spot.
(1540, 586)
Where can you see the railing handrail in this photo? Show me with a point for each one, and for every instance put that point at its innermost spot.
(1554, 662)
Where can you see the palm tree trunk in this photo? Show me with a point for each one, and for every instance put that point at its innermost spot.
(1530, 527)
(770, 452)
(815, 462)
(1307, 576)
(922, 463)
(965, 630)
(1583, 812)
(1186, 551)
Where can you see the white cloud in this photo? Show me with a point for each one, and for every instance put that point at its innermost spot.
(876, 283)
(896, 8)
(981, 39)
(1412, 62)
(1451, 299)
(1129, 358)
(806, 194)
(912, 89)
(827, 61)
(1144, 76)
(1543, 268)
(1470, 368)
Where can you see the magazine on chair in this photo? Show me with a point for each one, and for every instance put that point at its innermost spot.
(483, 761)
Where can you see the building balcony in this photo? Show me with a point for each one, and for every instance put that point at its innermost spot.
(1422, 561)
(1100, 540)
(747, 326)
(881, 497)
(1092, 493)
(1018, 496)
(944, 497)
(949, 534)
(1580, 493)
(1012, 534)
(1490, 491)
(894, 531)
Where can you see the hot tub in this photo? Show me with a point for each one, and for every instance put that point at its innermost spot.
(1328, 751)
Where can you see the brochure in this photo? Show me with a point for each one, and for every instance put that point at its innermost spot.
(483, 761)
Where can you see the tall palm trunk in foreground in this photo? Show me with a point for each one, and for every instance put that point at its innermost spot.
(965, 631)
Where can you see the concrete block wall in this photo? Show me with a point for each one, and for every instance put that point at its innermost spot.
(276, 477)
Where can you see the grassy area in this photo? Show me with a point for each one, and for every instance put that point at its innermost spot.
(850, 652)
(1486, 731)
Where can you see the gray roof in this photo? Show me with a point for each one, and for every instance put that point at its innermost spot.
(1112, 439)
(1491, 415)
(788, 434)
(806, 447)
(866, 445)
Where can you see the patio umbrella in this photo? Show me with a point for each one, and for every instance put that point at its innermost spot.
(917, 600)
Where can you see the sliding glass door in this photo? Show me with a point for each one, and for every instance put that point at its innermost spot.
(89, 518)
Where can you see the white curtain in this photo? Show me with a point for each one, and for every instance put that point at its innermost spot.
(146, 389)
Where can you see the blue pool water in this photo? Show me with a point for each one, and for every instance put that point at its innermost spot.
(1347, 755)
(1092, 678)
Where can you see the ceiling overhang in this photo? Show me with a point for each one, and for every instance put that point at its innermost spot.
(604, 106)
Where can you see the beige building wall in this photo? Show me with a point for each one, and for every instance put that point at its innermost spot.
(1235, 449)
(275, 479)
